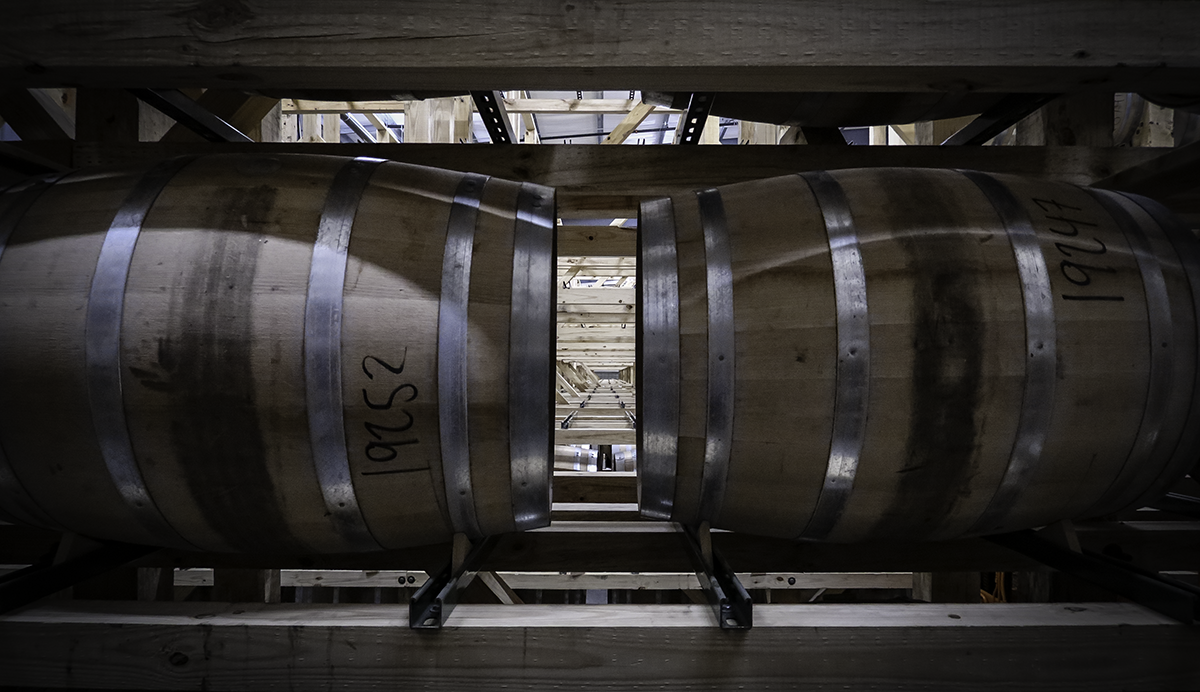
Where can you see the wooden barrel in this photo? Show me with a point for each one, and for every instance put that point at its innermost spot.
(908, 353)
(277, 354)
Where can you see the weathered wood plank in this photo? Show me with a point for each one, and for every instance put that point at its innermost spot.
(595, 436)
(597, 296)
(588, 486)
(523, 106)
(596, 241)
(190, 646)
(887, 45)
(573, 580)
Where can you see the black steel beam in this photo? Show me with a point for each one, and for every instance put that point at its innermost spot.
(432, 604)
(1008, 112)
(695, 117)
(490, 105)
(190, 114)
(729, 599)
(358, 128)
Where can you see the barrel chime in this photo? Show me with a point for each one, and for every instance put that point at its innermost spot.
(317, 354)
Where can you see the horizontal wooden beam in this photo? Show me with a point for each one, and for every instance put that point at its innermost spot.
(596, 296)
(595, 436)
(188, 646)
(512, 106)
(596, 241)
(595, 486)
(655, 581)
(880, 45)
(610, 318)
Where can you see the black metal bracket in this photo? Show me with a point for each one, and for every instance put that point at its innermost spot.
(490, 105)
(1007, 112)
(695, 117)
(358, 129)
(20, 588)
(190, 114)
(1170, 597)
(729, 600)
(432, 604)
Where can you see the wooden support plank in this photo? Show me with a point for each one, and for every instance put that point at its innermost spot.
(383, 133)
(596, 241)
(628, 124)
(595, 436)
(1100, 646)
(759, 133)
(906, 45)
(443, 120)
(561, 581)
(590, 486)
(597, 296)
(524, 106)
(499, 588)
(1083, 119)
(246, 585)
(595, 336)
(594, 511)
(609, 318)
(35, 114)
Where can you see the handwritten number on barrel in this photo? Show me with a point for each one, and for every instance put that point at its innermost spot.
(389, 450)
(1062, 247)
(376, 429)
(389, 368)
(380, 450)
(391, 397)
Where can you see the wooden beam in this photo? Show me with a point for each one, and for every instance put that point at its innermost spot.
(590, 486)
(1084, 119)
(1108, 45)
(624, 317)
(597, 296)
(596, 241)
(525, 106)
(657, 581)
(595, 436)
(628, 124)
(1098, 646)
